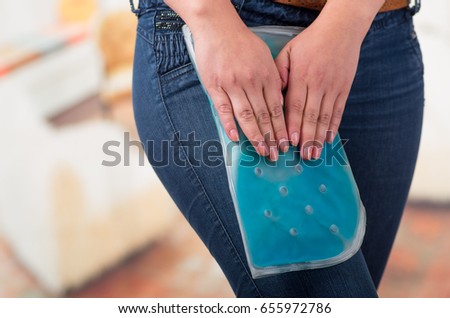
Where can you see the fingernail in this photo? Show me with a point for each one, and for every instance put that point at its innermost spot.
(284, 145)
(305, 153)
(308, 153)
(262, 148)
(234, 135)
(295, 139)
(330, 135)
(317, 152)
(273, 154)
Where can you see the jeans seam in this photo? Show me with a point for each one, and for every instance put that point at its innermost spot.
(148, 34)
(183, 69)
(211, 205)
(415, 47)
(144, 35)
(414, 44)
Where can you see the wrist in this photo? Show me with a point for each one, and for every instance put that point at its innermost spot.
(206, 16)
(345, 17)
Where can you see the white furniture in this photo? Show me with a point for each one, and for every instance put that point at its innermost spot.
(65, 215)
(61, 79)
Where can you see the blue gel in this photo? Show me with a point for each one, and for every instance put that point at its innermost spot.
(293, 214)
(300, 201)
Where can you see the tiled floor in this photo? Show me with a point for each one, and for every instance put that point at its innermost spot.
(420, 262)
(15, 281)
(180, 266)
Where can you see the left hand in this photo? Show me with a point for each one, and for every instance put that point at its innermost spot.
(318, 68)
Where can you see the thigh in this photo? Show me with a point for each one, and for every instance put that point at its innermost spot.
(382, 122)
(174, 121)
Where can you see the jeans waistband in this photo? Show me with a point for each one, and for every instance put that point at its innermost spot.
(147, 5)
(168, 20)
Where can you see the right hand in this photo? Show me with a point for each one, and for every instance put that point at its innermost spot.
(240, 75)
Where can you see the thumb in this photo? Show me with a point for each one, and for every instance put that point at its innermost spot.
(283, 65)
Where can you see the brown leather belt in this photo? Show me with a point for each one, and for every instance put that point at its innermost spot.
(319, 4)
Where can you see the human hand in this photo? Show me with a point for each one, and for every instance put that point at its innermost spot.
(318, 68)
(240, 75)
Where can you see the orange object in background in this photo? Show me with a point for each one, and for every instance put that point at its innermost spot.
(76, 11)
(116, 38)
(117, 34)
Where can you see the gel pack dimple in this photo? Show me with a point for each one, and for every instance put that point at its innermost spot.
(293, 214)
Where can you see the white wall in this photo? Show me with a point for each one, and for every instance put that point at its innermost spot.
(433, 172)
(22, 17)
(19, 17)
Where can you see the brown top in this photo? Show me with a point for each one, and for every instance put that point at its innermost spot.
(319, 4)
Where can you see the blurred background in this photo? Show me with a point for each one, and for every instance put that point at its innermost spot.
(71, 227)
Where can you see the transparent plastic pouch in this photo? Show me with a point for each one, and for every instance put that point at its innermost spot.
(293, 214)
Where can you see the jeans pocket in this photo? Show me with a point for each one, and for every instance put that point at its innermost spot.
(177, 72)
(171, 52)
(170, 48)
(413, 40)
(415, 46)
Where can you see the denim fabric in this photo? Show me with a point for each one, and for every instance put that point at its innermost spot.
(382, 121)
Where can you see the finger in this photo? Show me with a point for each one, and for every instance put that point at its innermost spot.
(274, 101)
(323, 123)
(245, 116)
(262, 115)
(224, 109)
(336, 118)
(295, 106)
(282, 63)
(309, 124)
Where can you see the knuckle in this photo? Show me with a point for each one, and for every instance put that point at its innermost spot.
(319, 76)
(276, 111)
(246, 115)
(228, 81)
(278, 80)
(299, 75)
(311, 117)
(211, 80)
(263, 118)
(334, 85)
(338, 112)
(251, 78)
(297, 106)
(225, 108)
(212, 86)
(266, 75)
(324, 118)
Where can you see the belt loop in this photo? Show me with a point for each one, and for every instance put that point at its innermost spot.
(238, 4)
(416, 7)
(133, 8)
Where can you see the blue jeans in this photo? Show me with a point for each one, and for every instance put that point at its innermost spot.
(382, 121)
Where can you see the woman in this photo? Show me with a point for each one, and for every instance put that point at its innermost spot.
(354, 69)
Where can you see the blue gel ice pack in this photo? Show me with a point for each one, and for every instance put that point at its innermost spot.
(293, 214)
